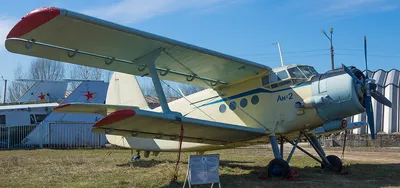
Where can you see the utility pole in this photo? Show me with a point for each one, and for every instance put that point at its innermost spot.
(280, 52)
(5, 89)
(330, 39)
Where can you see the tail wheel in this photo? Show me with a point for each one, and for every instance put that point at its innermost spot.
(278, 168)
(335, 162)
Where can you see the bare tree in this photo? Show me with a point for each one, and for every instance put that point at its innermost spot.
(17, 88)
(45, 69)
(81, 72)
(189, 89)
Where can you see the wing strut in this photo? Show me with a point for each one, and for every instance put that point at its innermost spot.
(151, 59)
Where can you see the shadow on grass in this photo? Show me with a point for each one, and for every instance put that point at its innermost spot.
(153, 162)
(360, 175)
(144, 163)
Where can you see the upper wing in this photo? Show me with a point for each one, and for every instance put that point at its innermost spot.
(72, 37)
(86, 108)
(148, 124)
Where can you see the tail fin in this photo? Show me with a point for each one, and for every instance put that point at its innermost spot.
(125, 90)
(63, 123)
(45, 91)
(88, 92)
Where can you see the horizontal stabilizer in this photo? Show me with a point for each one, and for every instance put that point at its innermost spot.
(349, 126)
(86, 108)
(148, 124)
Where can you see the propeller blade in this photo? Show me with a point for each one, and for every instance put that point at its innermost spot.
(349, 72)
(365, 56)
(381, 98)
(370, 115)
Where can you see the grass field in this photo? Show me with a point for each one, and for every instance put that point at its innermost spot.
(239, 168)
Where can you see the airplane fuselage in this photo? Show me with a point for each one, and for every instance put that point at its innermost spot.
(285, 109)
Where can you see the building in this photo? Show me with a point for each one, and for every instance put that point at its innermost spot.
(387, 120)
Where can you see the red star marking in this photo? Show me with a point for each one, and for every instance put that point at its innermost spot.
(89, 95)
(41, 96)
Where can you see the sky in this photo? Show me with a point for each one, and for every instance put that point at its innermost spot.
(244, 28)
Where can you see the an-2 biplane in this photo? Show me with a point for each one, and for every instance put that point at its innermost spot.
(245, 103)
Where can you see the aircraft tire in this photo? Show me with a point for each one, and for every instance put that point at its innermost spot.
(335, 162)
(278, 168)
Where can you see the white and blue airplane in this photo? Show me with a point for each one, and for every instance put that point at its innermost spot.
(246, 103)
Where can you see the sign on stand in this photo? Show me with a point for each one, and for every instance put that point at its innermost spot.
(203, 169)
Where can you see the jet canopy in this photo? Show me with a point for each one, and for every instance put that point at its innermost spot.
(288, 75)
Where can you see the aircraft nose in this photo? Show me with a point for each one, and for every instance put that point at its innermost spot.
(336, 95)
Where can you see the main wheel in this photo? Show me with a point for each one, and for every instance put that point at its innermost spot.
(278, 168)
(335, 162)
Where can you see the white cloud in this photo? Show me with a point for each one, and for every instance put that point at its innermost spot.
(356, 7)
(6, 23)
(339, 9)
(130, 11)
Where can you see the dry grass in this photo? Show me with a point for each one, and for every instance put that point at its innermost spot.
(239, 168)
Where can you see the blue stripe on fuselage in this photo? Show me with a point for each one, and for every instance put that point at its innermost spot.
(255, 91)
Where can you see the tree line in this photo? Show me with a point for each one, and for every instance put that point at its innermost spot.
(45, 69)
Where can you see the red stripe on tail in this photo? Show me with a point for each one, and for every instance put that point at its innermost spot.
(115, 117)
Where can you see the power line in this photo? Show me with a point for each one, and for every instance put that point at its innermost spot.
(350, 49)
(294, 57)
(293, 52)
(385, 56)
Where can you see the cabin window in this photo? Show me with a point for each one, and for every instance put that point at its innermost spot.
(40, 117)
(296, 73)
(274, 77)
(282, 75)
(254, 100)
(2, 119)
(232, 105)
(243, 102)
(265, 80)
(222, 108)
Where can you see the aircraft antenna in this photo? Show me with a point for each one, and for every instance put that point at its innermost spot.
(280, 52)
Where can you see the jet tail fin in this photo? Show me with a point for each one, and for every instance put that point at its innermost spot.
(88, 92)
(45, 91)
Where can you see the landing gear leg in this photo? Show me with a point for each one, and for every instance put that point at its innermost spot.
(277, 167)
(136, 157)
(331, 161)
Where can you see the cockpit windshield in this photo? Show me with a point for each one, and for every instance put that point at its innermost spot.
(296, 73)
(308, 71)
(302, 72)
(293, 75)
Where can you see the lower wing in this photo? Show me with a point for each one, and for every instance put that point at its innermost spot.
(148, 124)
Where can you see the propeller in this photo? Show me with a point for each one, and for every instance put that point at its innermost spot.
(369, 87)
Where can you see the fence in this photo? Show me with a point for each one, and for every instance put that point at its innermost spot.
(364, 140)
(61, 135)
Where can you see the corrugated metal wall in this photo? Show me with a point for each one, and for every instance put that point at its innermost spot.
(387, 119)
